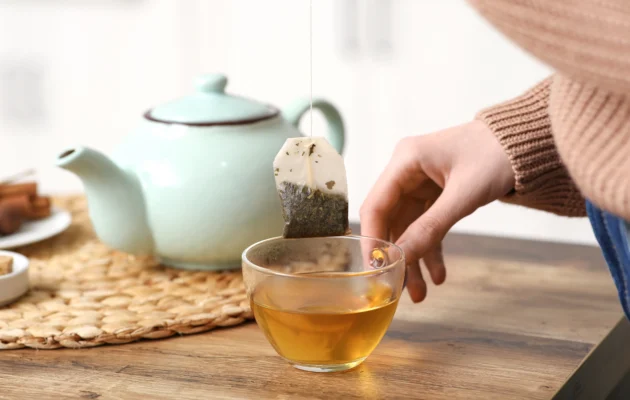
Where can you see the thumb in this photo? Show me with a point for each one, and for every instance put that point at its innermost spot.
(429, 229)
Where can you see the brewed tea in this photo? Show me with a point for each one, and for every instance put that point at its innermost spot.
(307, 328)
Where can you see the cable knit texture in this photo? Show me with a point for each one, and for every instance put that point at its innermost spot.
(569, 134)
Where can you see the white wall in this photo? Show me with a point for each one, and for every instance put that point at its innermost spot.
(94, 68)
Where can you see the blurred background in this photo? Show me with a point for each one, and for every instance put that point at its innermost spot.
(84, 71)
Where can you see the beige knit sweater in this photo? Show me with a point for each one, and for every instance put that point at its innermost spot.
(568, 138)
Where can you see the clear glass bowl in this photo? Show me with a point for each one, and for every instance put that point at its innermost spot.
(324, 304)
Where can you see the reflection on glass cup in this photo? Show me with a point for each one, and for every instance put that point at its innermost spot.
(324, 303)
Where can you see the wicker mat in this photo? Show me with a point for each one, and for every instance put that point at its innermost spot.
(83, 295)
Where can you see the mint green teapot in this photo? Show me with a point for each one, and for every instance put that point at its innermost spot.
(193, 185)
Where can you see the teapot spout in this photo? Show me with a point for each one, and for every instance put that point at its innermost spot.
(115, 200)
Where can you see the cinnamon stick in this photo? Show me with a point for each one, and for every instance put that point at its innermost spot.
(38, 212)
(41, 202)
(10, 219)
(38, 207)
(20, 202)
(29, 189)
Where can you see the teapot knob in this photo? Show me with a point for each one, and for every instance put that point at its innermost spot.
(211, 83)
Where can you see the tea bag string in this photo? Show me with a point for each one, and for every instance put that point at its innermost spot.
(309, 173)
(310, 25)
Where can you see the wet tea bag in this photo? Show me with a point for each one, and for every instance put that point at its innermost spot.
(311, 181)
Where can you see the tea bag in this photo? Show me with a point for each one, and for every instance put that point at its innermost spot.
(311, 181)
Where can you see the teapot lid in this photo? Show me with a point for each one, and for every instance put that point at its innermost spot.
(210, 105)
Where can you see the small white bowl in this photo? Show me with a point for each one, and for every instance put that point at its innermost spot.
(15, 284)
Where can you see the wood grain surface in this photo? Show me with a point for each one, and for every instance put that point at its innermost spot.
(514, 320)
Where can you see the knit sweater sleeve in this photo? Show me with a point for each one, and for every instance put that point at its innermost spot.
(588, 43)
(586, 40)
(523, 128)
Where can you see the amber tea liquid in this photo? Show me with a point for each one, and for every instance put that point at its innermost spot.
(326, 323)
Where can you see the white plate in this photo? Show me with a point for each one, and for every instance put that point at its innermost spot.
(15, 284)
(35, 231)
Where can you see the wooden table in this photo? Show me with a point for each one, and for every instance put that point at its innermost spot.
(514, 320)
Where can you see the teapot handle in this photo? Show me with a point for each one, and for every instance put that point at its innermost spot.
(336, 133)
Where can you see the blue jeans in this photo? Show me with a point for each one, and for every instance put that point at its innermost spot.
(612, 235)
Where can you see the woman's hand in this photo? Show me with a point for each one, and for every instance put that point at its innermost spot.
(431, 182)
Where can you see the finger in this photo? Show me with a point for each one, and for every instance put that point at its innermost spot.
(409, 210)
(411, 206)
(427, 190)
(434, 261)
(428, 231)
(375, 253)
(416, 286)
(401, 176)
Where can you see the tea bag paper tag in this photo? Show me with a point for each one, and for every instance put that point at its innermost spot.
(311, 181)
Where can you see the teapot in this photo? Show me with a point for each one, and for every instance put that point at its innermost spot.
(193, 185)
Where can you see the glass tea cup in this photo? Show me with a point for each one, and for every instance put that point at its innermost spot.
(325, 303)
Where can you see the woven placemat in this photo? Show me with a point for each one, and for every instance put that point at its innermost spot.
(84, 294)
